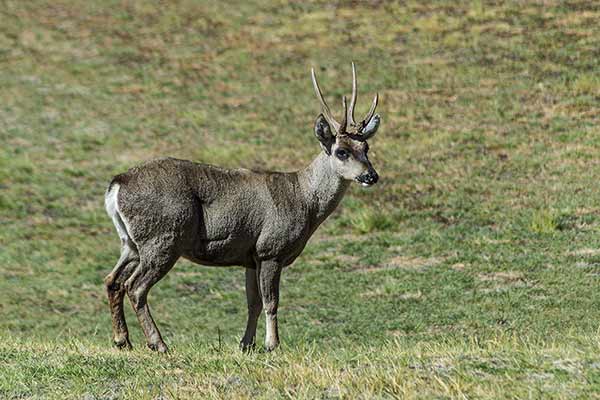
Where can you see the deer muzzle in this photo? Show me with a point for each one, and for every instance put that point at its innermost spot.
(369, 178)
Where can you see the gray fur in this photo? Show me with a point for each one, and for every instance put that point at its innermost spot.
(169, 208)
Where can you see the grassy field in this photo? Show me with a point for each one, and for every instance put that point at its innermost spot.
(470, 271)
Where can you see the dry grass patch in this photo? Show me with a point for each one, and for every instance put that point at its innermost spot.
(585, 252)
(502, 276)
(347, 259)
(403, 262)
(458, 266)
(502, 281)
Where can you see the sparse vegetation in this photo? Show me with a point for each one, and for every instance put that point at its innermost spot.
(471, 269)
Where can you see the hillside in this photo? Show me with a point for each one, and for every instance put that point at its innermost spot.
(469, 271)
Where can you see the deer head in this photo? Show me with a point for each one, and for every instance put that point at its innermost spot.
(346, 142)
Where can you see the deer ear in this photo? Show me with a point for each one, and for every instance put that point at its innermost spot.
(323, 133)
(371, 128)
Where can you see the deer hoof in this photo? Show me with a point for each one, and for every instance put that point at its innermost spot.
(159, 347)
(247, 347)
(270, 347)
(123, 343)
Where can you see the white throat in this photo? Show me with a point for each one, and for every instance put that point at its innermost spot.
(322, 187)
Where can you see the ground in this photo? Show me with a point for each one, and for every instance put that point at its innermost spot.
(471, 270)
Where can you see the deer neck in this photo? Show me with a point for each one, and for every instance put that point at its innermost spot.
(322, 187)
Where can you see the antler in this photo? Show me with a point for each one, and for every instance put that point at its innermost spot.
(353, 98)
(348, 111)
(326, 112)
(344, 123)
(371, 112)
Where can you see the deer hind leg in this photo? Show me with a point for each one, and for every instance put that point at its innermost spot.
(116, 291)
(254, 300)
(127, 263)
(155, 262)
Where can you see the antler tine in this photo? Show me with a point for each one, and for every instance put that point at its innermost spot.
(342, 128)
(353, 98)
(372, 110)
(326, 111)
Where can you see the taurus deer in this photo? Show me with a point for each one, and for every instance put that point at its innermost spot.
(167, 208)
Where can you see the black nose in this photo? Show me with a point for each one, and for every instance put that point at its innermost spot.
(370, 178)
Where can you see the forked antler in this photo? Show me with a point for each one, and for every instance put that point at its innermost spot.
(340, 128)
(326, 111)
(345, 119)
(354, 95)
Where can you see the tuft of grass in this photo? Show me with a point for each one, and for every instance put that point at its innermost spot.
(587, 84)
(548, 221)
(367, 221)
(545, 221)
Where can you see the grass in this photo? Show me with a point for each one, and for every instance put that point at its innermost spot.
(469, 271)
(447, 369)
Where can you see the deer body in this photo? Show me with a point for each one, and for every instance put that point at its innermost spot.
(226, 217)
(169, 208)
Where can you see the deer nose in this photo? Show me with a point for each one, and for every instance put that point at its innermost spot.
(368, 179)
(375, 177)
(372, 177)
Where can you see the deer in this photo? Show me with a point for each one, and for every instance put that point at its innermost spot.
(168, 208)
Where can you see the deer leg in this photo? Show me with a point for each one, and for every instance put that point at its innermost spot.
(254, 308)
(115, 291)
(153, 266)
(268, 278)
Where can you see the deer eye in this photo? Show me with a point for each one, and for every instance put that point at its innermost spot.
(342, 154)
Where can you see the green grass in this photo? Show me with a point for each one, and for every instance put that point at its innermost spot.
(470, 271)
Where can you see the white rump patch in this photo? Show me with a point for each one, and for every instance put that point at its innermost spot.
(112, 208)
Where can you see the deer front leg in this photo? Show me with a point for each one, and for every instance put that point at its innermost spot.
(254, 308)
(268, 277)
